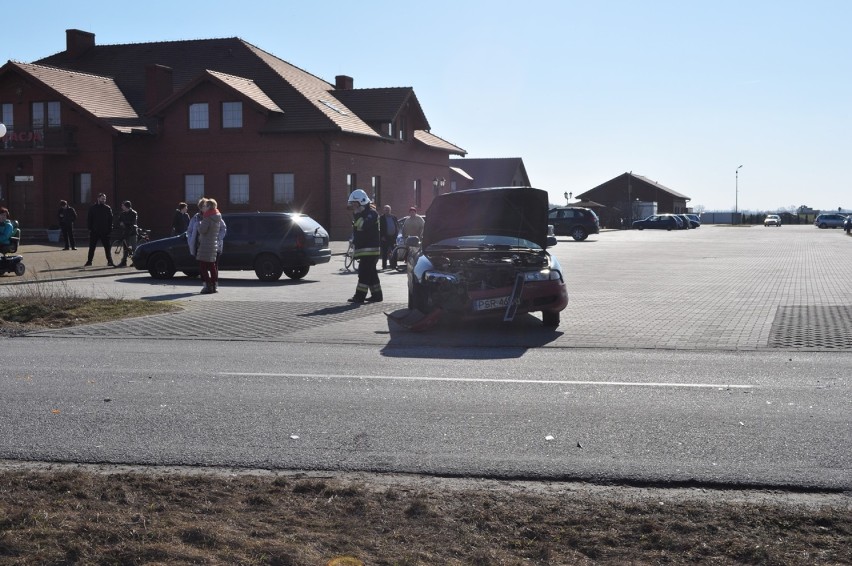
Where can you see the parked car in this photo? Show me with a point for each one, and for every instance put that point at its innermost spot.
(772, 220)
(685, 221)
(694, 220)
(658, 222)
(492, 261)
(847, 224)
(833, 220)
(270, 243)
(574, 221)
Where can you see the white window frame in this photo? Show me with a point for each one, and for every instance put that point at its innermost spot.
(199, 116)
(84, 181)
(193, 188)
(238, 188)
(283, 188)
(232, 115)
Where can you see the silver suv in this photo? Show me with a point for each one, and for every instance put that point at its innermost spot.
(834, 220)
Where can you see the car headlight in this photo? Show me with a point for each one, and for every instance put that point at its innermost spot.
(438, 277)
(543, 275)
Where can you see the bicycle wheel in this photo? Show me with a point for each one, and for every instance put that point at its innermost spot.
(349, 257)
(118, 248)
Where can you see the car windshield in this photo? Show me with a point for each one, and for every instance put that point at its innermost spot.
(483, 242)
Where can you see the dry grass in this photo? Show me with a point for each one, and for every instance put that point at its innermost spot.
(39, 305)
(83, 517)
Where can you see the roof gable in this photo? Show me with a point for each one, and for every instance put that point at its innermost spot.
(97, 96)
(381, 105)
(638, 178)
(245, 88)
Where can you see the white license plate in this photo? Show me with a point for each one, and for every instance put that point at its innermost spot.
(319, 240)
(488, 304)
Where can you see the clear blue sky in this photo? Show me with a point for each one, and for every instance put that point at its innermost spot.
(681, 92)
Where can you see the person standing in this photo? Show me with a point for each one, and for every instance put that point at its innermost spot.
(180, 222)
(100, 226)
(66, 216)
(413, 225)
(367, 241)
(388, 227)
(127, 223)
(208, 246)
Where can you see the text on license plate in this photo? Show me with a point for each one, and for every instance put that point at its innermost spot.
(488, 304)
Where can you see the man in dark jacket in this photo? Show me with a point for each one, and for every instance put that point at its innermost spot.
(100, 226)
(388, 227)
(180, 222)
(127, 223)
(66, 216)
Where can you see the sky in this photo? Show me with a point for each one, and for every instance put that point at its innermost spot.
(681, 92)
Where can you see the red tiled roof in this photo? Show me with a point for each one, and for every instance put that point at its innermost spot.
(306, 100)
(97, 95)
(432, 140)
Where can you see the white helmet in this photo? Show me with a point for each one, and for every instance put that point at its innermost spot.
(360, 197)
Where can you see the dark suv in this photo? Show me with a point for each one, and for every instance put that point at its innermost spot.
(574, 221)
(270, 243)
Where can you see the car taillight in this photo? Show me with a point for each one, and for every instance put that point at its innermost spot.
(300, 240)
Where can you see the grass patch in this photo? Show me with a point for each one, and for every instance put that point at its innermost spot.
(58, 517)
(55, 305)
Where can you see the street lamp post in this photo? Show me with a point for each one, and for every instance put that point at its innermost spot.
(736, 190)
(438, 186)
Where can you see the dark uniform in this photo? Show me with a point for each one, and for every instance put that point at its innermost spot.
(367, 243)
(100, 226)
(127, 223)
(66, 216)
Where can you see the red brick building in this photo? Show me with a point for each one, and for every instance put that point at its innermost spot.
(163, 122)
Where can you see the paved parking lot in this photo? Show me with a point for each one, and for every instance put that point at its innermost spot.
(714, 288)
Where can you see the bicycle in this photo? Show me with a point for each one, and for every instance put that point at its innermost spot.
(349, 261)
(119, 245)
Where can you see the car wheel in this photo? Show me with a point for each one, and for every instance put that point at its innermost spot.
(579, 234)
(549, 319)
(640, 228)
(268, 268)
(161, 266)
(296, 272)
(823, 226)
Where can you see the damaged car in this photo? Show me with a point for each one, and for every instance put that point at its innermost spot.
(484, 254)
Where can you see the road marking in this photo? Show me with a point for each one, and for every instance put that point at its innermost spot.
(492, 380)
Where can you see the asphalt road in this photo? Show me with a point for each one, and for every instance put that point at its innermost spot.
(677, 361)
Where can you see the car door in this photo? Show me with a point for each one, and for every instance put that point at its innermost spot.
(236, 249)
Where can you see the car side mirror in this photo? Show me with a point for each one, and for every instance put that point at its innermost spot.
(412, 242)
(551, 241)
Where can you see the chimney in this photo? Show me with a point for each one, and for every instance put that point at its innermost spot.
(158, 85)
(78, 42)
(342, 82)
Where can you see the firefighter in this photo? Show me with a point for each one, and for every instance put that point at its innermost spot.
(368, 247)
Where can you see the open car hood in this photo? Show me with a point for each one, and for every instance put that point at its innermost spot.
(518, 212)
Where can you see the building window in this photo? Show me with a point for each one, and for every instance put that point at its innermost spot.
(403, 127)
(351, 181)
(199, 116)
(193, 188)
(376, 183)
(232, 114)
(283, 188)
(417, 194)
(387, 129)
(238, 188)
(82, 188)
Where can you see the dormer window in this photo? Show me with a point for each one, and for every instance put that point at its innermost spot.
(403, 129)
(199, 116)
(232, 114)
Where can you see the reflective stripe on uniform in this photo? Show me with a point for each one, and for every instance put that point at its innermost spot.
(367, 252)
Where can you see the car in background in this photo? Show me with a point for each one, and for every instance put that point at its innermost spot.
(772, 220)
(270, 243)
(658, 222)
(491, 264)
(831, 220)
(574, 221)
(687, 223)
(694, 220)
